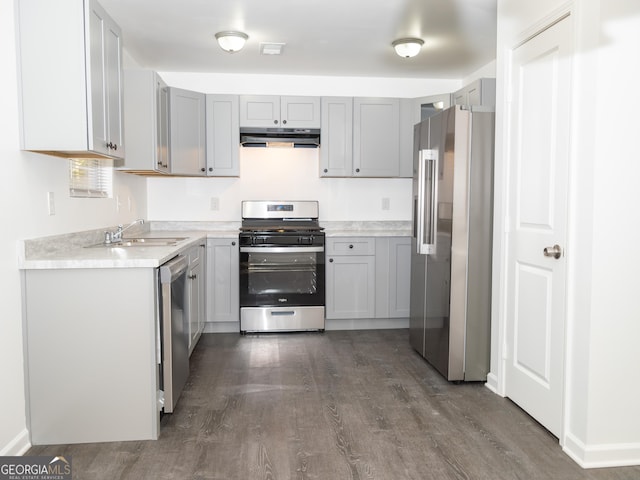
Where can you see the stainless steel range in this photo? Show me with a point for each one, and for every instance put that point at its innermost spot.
(282, 277)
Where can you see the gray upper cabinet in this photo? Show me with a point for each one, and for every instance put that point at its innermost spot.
(336, 151)
(361, 138)
(481, 92)
(271, 111)
(79, 111)
(187, 145)
(376, 137)
(223, 135)
(146, 122)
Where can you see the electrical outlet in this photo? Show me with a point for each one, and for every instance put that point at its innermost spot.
(51, 204)
(215, 203)
(386, 203)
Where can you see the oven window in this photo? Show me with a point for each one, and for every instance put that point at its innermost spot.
(282, 273)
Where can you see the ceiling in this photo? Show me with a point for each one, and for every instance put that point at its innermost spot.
(321, 37)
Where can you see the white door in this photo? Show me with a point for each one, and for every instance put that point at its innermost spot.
(538, 156)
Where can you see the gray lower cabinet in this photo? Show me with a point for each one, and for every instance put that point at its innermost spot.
(393, 276)
(367, 277)
(223, 288)
(91, 355)
(350, 277)
(196, 286)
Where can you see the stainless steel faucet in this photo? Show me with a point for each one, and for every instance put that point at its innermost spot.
(113, 237)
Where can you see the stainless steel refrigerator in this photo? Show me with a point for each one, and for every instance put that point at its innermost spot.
(450, 305)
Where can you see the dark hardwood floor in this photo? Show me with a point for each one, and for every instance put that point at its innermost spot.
(338, 405)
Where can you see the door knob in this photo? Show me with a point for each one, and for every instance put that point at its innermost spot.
(555, 251)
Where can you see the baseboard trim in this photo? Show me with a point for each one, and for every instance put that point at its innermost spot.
(221, 327)
(603, 455)
(492, 384)
(18, 446)
(366, 323)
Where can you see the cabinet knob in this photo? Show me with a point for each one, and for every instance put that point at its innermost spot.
(233, 244)
(275, 122)
(357, 170)
(203, 245)
(331, 260)
(202, 169)
(211, 169)
(115, 146)
(350, 246)
(326, 170)
(284, 122)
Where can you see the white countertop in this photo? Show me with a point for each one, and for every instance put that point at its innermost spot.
(70, 251)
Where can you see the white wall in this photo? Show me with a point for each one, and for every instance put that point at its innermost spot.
(286, 173)
(278, 173)
(26, 178)
(601, 421)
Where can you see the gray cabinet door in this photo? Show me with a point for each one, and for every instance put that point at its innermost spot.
(376, 137)
(105, 74)
(399, 276)
(481, 92)
(350, 286)
(223, 277)
(279, 112)
(146, 116)
(223, 135)
(260, 111)
(350, 278)
(300, 112)
(336, 137)
(187, 132)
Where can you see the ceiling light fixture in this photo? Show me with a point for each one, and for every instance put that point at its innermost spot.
(231, 41)
(408, 47)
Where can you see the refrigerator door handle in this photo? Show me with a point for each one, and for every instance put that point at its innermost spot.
(428, 188)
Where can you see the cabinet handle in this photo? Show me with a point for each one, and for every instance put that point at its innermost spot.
(115, 146)
(192, 276)
(275, 122)
(203, 245)
(284, 122)
(211, 169)
(202, 169)
(326, 170)
(357, 170)
(350, 246)
(233, 244)
(331, 260)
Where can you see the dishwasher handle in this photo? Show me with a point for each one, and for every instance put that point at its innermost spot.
(172, 269)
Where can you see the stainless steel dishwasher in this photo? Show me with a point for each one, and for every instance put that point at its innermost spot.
(173, 329)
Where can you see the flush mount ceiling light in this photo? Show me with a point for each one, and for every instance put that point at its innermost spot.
(231, 41)
(408, 47)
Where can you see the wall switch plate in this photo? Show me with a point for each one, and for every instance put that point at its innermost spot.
(215, 203)
(386, 204)
(51, 203)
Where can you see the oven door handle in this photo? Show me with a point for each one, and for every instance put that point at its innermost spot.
(280, 249)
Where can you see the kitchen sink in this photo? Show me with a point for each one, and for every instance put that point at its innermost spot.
(141, 242)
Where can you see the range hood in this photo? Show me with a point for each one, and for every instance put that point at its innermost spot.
(280, 137)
